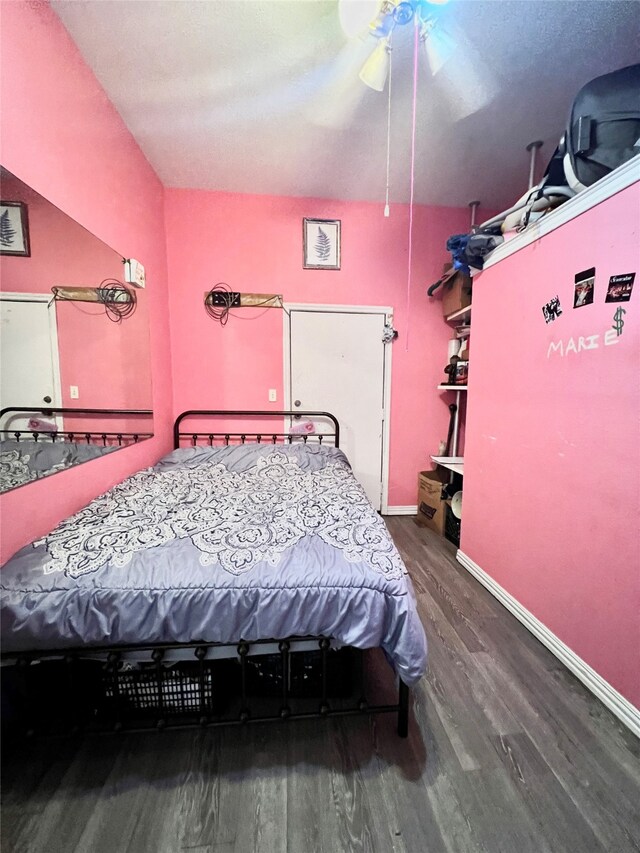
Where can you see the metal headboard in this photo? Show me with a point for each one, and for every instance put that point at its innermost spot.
(226, 436)
(79, 434)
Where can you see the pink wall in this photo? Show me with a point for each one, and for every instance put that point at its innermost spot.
(552, 456)
(254, 243)
(62, 136)
(109, 362)
(552, 463)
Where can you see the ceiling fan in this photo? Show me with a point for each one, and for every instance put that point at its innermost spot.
(377, 29)
(390, 16)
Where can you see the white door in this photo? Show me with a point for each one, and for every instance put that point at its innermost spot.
(337, 365)
(28, 375)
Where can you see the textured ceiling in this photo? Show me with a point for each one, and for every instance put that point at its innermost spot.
(264, 97)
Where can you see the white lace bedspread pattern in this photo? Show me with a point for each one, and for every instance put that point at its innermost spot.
(235, 519)
(15, 470)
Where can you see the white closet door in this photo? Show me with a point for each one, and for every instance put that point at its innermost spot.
(26, 358)
(337, 365)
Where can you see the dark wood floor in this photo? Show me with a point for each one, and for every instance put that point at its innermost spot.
(507, 752)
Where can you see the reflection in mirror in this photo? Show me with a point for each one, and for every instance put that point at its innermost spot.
(73, 338)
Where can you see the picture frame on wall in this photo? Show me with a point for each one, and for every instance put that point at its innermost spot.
(14, 229)
(321, 244)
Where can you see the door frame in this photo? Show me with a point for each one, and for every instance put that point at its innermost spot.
(387, 312)
(10, 296)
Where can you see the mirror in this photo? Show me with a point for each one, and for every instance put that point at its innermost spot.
(75, 368)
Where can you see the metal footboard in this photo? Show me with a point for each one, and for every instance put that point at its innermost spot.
(176, 686)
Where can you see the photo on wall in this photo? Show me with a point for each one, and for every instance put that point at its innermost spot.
(321, 244)
(584, 287)
(14, 229)
(552, 310)
(620, 287)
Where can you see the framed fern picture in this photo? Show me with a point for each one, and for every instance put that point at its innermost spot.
(14, 229)
(321, 244)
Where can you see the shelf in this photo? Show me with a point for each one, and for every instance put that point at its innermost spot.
(462, 314)
(453, 463)
(452, 387)
(621, 178)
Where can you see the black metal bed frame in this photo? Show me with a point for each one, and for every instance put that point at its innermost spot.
(162, 683)
(227, 437)
(161, 696)
(121, 438)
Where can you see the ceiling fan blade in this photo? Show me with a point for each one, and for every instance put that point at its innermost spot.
(356, 15)
(339, 97)
(460, 69)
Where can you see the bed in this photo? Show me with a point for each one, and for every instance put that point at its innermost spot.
(235, 545)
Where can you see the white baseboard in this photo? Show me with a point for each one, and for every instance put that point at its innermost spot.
(401, 510)
(608, 695)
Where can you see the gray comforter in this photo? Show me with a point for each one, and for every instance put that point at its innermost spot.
(215, 545)
(27, 460)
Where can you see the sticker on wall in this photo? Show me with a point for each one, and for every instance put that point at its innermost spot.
(584, 287)
(552, 310)
(620, 287)
(618, 322)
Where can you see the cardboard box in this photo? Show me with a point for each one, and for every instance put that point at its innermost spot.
(431, 507)
(456, 294)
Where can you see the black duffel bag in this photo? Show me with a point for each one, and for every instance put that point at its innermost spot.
(603, 131)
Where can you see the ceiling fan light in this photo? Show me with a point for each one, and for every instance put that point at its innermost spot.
(375, 71)
(439, 47)
(434, 57)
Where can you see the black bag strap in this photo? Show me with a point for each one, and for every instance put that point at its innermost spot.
(609, 158)
(584, 139)
(554, 165)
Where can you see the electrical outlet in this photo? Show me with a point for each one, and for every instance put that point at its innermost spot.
(224, 299)
(73, 392)
(134, 272)
(273, 396)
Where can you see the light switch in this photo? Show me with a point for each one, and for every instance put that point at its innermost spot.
(272, 395)
(73, 392)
